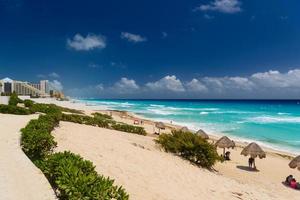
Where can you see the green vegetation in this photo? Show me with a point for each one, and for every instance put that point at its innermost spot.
(129, 129)
(104, 121)
(14, 99)
(64, 109)
(36, 139)
(28, 103)
(87, 120)
(71, 177)
(101, 116)
(76, 178)
(15, 110)
(191, 147)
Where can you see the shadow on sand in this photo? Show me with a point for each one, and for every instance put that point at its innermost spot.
(246, 168)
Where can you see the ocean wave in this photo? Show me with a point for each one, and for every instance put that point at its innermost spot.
(203, 113)
(156, 105)
(201, 109)
(160, 111)
(282, 113)
(114, 104)
(272, 119)
(183, 108)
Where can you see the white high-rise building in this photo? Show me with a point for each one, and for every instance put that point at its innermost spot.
(8, 86)
(44, 86)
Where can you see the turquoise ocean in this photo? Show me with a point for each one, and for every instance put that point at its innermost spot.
(271, 123)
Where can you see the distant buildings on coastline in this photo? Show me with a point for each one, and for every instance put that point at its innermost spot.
(41, 89)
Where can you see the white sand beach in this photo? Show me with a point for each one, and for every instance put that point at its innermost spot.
(19, 177)
(149, 173)
(138, 164)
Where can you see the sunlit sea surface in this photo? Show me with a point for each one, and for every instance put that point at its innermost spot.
(272, 123)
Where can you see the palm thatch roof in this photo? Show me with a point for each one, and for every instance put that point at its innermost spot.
(295, 163)
(253, 150)
(225, 142)
(184, 129)
(202, 134)
(160, 125)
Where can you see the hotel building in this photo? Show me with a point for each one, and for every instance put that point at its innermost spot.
(7, 86)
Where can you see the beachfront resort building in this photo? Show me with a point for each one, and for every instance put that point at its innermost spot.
(22, 88)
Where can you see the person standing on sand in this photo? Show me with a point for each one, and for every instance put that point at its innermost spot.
(251, 162)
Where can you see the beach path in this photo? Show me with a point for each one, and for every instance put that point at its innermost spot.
(19, 177)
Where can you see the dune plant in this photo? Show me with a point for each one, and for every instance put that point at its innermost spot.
(9, 109)
(189, 146)
(14, 99)
(72, 177)
(70, 110)
(28, 103)
(36, 139)
(101, 116)
(129, 128)
(87, 120)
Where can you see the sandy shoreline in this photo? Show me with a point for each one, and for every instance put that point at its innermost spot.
(128, 117)
(148, 173)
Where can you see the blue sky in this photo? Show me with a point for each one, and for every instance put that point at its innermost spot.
(155, 49)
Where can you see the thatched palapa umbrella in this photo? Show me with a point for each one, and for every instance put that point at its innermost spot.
(295, 163)
(160, 125)
(253, 150)
(225, 142)
(184, 129)
(202, 134)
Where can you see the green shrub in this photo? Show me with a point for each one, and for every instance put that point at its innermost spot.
(129, 128)
(101, 116)
(36, 139)
(190, 146)
(28, 103)
(14, 99)
(9, 109)
(44, 108)
(71, 177)
(64, 109)
(87, 120)
(74, 178)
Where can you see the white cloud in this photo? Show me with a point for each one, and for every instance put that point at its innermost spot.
(125, 85)
(93, 65)
(133, 37)
(195, 86)
(206, 16)
(41, 76)
(89, 91)
(270, 84)
(56, 85)
(53, 75)
(164, 34)
(224, 6)
(168, 83)
(99, 87)
(283, 17)
(90, 42)
(272, 79)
